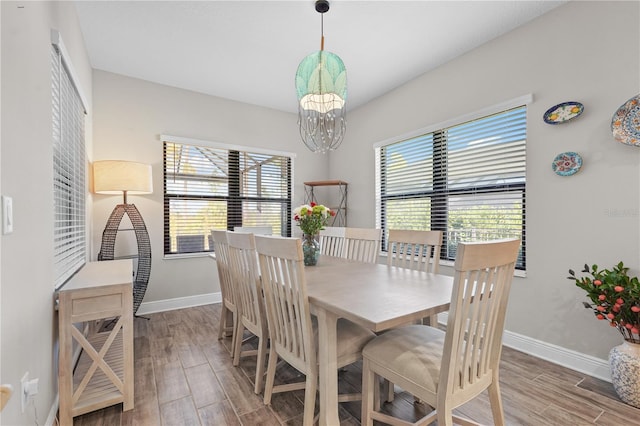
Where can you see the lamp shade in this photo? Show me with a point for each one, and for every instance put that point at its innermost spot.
(117, 177)
(321, 85)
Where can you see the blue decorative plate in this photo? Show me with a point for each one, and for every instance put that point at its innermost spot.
(563, 112)
(567, 163)
(625, 123)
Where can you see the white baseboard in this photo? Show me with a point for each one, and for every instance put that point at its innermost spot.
(596, 367)
(178, 303)
(587, 364)
(52, 418)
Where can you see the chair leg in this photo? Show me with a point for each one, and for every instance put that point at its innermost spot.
(496, 402)
(234, 334)
(310, 389)
(369, 383)
(262, 356)
(223, 321)
(271, 374)
(237, 348)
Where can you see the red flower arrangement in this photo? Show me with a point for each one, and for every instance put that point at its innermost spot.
(615, 297)
(312, 217)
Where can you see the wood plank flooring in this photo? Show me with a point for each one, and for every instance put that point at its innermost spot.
(184, 376)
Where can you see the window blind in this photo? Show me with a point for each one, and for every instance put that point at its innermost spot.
(69, 181)
(467, 180)
(209, 188)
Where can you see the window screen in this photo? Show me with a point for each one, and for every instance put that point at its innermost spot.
(209, 188)
(69, 183)
(467, 180)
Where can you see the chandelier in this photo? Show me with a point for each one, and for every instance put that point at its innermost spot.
(321, 83)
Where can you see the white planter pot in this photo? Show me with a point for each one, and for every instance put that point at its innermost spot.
(625, 372)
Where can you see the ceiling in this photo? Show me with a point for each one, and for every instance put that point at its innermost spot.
(249, 51)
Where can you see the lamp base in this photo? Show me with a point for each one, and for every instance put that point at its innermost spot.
(144, 247)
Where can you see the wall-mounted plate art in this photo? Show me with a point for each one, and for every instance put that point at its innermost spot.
(625, 124)
(567, 163)
(563, 112)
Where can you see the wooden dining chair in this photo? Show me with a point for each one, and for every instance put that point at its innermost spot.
(332, 241)
(362, 244)
(256, 230)
(229, 312)
(417, 250)
(292, 333)
(248, 289)
(448, 369)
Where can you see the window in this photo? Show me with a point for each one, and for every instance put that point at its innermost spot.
(209, 186)
(69, 183)
(467, 180)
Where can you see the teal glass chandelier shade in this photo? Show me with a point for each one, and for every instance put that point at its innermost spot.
(321, 85)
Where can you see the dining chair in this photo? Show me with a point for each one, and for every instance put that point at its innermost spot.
(248, 289)
(256, 230)
(448, 369)
(362, 244)
(292, 333)
(332, 241)
(417, 250)
(229, 312)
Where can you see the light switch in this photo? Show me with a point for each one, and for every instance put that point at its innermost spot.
(7, 215)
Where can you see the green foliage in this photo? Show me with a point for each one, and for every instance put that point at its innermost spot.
(614, 297)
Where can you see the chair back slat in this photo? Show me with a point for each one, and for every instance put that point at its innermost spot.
(245, 272)
(332, 241)
(362, 244)
(482, 281)
(221, 248)
(257, 230)
(287, 305)
(417, 250)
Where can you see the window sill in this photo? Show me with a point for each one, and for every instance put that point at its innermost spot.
(188, 255)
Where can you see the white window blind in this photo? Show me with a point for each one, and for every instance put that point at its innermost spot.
(467, 180)
(69, 182)
(209, 188)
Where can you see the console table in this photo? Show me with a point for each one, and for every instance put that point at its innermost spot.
(104, 373)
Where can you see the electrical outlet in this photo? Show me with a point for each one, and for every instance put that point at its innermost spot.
(24, 383)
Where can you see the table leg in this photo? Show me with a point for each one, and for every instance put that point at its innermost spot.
(328, 363)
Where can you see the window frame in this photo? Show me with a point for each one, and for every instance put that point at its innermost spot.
(439, 161)
(233, 196)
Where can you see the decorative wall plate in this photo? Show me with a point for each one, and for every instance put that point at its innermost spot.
(567, 163)
(625, 123)
(563, 112)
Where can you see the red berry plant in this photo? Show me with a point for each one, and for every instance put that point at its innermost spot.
(615, 297)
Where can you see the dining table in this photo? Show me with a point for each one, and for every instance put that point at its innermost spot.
(375, 296)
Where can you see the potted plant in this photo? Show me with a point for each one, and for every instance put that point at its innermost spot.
(615, 297)
(311, 218)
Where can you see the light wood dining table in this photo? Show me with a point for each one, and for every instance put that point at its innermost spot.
(377, 297)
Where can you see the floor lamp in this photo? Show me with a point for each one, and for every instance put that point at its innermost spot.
(126, 177)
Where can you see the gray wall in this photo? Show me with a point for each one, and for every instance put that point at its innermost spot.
(130, 116)
(582, 51)
(27, 317)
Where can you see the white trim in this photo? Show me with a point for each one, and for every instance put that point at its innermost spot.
(493, 109)
(221, 145)
(52, 418)
(568, 358)
(56, 40)
(179, 303)
(577, 361)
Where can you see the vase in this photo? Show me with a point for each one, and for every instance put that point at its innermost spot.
(624, 360)
(310, 249)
